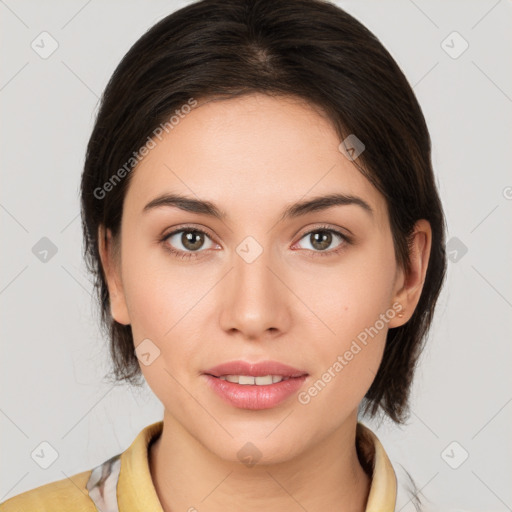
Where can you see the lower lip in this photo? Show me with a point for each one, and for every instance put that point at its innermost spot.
(247, 396)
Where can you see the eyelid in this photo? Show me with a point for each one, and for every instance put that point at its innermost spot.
(206, 231)
(327, 227)
(347, 239)
(188, 227)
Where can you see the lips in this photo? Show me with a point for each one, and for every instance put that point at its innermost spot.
(255, 369)
(256, 396)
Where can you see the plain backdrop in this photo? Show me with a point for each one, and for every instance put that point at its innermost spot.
(456, 54)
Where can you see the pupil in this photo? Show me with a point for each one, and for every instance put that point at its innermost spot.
(187, 240)
(321, 239)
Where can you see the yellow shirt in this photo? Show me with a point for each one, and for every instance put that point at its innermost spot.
(123, 483)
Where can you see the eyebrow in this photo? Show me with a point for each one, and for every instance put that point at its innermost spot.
(320, 203)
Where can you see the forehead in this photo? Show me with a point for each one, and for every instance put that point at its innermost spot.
(253, 151)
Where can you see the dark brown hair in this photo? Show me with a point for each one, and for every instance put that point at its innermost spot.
(308, 49)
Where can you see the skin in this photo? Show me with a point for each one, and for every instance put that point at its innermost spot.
(253, 156)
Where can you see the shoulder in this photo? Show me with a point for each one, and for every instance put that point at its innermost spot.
(69, 494)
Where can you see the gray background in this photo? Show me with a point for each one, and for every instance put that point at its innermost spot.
(53, 354)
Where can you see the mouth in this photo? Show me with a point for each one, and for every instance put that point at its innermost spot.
(255, 386)
(254, 396)
(263, 371)
(251, 380)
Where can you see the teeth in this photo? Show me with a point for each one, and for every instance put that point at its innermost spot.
(258, 381)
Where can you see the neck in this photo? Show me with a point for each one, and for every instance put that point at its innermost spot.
(327, 476)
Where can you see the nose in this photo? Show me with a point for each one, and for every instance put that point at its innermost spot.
(256, 300)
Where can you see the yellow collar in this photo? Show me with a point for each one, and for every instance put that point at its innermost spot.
(143, 496)
(133, 466)
(123, 482)
(382, 497)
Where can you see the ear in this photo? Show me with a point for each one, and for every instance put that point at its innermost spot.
(111, 262)
(409, 284)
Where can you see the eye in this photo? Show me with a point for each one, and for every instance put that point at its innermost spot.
(185, 242)
(321, 238)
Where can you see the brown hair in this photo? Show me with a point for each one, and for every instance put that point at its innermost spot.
(309, 49)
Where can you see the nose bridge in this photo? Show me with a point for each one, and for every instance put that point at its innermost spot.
(256, 299)
(253, 279)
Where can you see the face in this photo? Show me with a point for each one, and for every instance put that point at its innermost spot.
(253, 284)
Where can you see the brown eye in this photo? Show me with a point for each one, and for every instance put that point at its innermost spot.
(187, 241)
(321, 239)
(192, 240)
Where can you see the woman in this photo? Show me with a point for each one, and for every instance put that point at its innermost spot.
(261, 216)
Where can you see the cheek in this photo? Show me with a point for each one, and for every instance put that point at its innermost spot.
(161, 305)
(165, 307)
(352, 297)
(347, 362)
(356, 308)
(157, 293)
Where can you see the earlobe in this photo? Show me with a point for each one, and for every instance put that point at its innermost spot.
(410, 283)
(110, 261)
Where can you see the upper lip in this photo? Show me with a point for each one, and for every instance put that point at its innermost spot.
(255, 369)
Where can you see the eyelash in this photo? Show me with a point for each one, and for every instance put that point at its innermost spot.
(187, 255)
